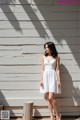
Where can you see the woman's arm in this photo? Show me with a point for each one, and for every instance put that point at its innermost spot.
(58, 69)
(42, 70)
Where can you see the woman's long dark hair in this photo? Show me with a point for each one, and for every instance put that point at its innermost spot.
(52, 48)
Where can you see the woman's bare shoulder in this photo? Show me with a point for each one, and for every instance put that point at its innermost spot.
(58, 58)
(43, 57)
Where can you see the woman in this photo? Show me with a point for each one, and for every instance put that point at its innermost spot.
(50, 77)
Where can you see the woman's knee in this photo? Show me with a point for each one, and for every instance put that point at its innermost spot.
(51, 99)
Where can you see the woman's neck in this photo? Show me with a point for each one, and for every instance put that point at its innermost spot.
(49, 54)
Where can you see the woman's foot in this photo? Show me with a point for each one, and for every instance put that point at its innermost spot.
(52, 118)
(58, 117)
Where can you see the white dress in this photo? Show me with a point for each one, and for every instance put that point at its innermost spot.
(50, 77)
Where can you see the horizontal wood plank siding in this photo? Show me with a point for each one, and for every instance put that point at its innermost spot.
(25, 25)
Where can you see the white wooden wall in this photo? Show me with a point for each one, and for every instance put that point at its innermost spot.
(25, 25)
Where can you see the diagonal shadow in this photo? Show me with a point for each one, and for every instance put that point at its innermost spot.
(5, 104)
(34, 19)
(62, 24)
(68, 88)
(10, 16)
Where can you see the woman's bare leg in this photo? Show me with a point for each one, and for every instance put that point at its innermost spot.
(53, 104)
(50, 106)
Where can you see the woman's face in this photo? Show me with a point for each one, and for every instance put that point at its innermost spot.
(47, 49)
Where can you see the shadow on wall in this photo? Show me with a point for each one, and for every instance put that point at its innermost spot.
(37, 113)
(61, 25)
(5, 104)
(14, 20)
(70, 90)
(51, 22)
(34, 19)
(10, 15)
(69, 96)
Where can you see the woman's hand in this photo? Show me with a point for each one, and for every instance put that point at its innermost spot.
(41, 84)
(59, 84)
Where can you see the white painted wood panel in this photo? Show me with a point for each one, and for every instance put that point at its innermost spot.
(11, 54)
(48, 8)
(14, 86)
(22, 8)
(19, 77)
(21, 94)
(27, 69)
(26, 61)
(44, 110)
(12, 48)
(39, 41)
(31, 16)
(40, 102)
(40, 49)
(43, 24)
(70, 76)
(39, 33)
(18, 2)
(35, 93)
(42, 2)
(16, 77)
(8, 53)
(2, 1)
